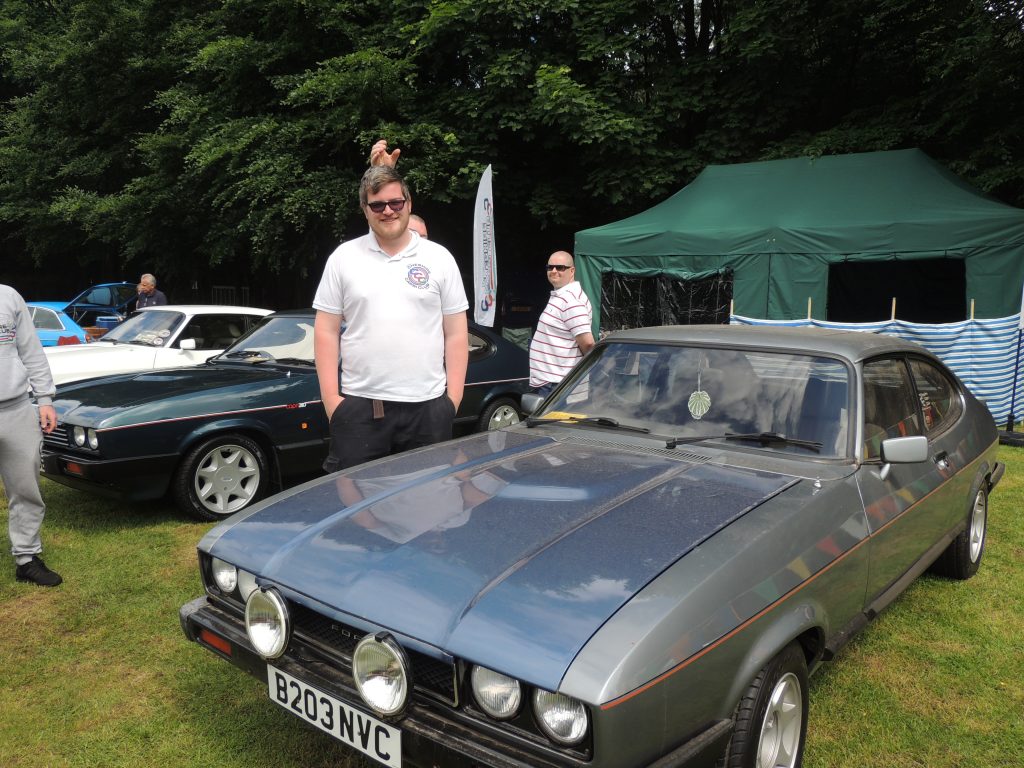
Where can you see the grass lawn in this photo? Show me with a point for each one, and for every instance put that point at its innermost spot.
(97, 672)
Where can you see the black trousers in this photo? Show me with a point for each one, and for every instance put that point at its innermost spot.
(363, 429)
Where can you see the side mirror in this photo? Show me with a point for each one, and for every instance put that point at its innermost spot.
(903, 450)
(530, 402)
(187, 344)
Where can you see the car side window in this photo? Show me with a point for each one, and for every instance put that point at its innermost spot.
(99, 296)
(939, 396)
(889, 407)
(46, 319)
(214, 331)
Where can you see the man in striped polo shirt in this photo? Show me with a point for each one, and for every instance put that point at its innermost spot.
(563, 333)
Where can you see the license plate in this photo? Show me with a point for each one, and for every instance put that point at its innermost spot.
(347, 724)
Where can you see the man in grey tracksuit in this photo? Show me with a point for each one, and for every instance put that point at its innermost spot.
(24, 376)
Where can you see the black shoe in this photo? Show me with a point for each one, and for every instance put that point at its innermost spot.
(36, 572)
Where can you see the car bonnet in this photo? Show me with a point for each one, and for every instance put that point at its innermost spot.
(97, 358)
(504, 549)
(129, 398)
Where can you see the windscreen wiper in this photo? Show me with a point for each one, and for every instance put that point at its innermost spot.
(763, 437)
(600, 421)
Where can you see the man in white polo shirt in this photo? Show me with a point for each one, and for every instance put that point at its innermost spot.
(405, 347)
(563, 333)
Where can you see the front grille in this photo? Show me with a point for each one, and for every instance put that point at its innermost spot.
(332, 635)
(58, 438)
(338, 641)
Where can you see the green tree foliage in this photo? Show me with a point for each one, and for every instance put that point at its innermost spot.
(205, 135)
(582, 107)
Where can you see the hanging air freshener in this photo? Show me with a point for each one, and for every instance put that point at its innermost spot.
(700, 401)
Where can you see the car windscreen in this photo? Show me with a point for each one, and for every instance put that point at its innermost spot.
(761, 399)
(287, 339)
(153, 328)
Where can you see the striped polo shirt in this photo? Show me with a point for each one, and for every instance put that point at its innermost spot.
(553, 350)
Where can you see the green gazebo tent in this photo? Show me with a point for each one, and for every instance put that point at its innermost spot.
(779, 226)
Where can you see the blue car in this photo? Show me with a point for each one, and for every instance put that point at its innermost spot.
(54, 326)
(103, 300)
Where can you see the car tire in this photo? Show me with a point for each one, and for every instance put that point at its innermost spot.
(771, 718)
(502, 412)
(221, 476)
(962, 558)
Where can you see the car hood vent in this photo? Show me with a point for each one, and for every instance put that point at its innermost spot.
(668, 453)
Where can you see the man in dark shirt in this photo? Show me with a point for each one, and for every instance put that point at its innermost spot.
(149, 296)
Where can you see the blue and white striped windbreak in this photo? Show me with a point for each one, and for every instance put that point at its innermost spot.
(985, 354)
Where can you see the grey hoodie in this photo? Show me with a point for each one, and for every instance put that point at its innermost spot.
(23, 365)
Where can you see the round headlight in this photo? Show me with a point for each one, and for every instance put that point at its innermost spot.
(380, 669)
(266, 623)
(498, 695)
(79, 435)
(225, 575)
(94, 439)
(246, 584)
(561, 717)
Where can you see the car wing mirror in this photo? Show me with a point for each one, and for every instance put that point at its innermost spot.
(530, 402)
(188, 344)
(903, 450)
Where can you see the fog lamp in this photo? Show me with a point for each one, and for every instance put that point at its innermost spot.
(266, 623)
(380, 669)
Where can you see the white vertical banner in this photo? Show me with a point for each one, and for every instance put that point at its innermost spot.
(485, 260)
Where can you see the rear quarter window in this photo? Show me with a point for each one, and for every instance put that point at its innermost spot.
(941, 403)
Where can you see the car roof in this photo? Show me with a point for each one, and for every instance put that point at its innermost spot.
(94, 286)
(853, 345)
(207, 309)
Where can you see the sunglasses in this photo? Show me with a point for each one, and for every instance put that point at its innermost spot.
(377, 206)
(558, 267)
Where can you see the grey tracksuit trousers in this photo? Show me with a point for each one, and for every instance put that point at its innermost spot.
(20, 442)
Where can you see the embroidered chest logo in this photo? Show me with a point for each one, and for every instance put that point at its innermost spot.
(8, 330)
(418, 276)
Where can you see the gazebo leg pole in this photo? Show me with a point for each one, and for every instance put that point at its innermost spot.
(1013, 392)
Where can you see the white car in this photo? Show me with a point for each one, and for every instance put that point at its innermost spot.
(155, 337)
